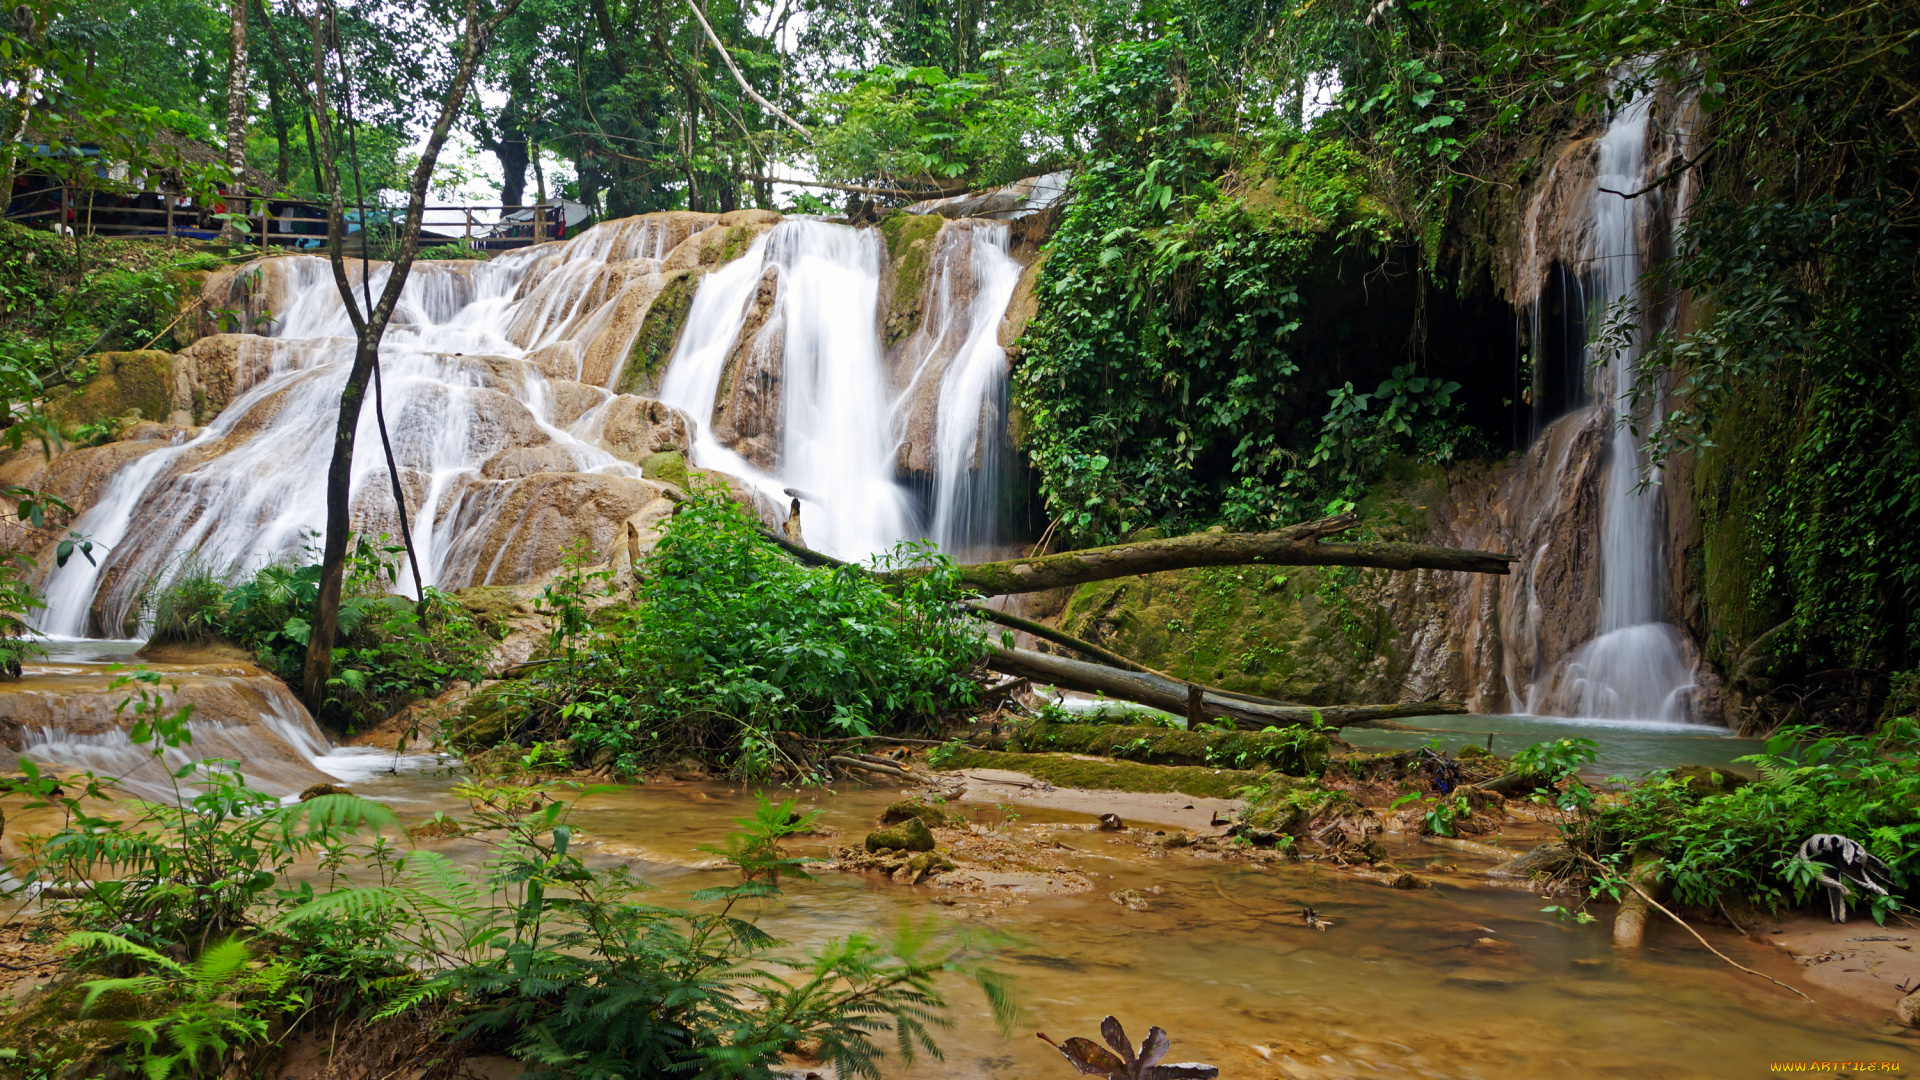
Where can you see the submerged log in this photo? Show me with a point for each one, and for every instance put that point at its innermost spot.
(1170, 695)
(1297, 545)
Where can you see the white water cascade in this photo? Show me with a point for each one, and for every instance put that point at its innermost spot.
(509, 439)
(969, 437)
(1636, 668)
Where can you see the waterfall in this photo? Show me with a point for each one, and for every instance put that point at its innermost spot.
(1636, 667)
(973, 289)
(508, 438)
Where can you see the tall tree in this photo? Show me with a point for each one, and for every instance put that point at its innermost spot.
(369, 322)
(237, 112)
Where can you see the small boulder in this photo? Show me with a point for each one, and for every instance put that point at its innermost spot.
(914, 809)
(318, 790)
(1908, 1009)
(667, 466)
(909, 835)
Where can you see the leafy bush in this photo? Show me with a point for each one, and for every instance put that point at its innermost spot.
(17, 601)
(1743, 843)
(390, 650)
(731, 646)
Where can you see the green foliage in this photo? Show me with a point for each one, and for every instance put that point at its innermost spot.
(730, 645)
(61, 300)
(185, 872)
(1743, 843)
(1157, 378)
(1553, 763)
(1814, 303)
(389, 651)
(920, 126)
(17, 601)
(217, 1004)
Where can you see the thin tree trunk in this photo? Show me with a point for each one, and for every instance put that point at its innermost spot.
(371, 325)
(1297, 545)
(232, 232)
(18, 113)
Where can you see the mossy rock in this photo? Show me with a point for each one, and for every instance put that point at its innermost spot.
(318, 790)
(495, 606)
(1066, 770)
(1296, 751)
(909, 239)
(914, 809)
(46, 1028)
(659, 332)
(128, 383)
(910, 835)
(483, 718)
(668, 466)
(1705, 780)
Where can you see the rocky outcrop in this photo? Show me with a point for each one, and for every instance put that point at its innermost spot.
(746, 412)
(653, 344)
(510, 531)
(635, 428)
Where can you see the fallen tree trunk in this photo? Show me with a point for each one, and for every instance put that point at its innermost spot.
(1170, 695)
(1298, 545)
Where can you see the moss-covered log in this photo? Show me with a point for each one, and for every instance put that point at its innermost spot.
(1298, 545)
(1171, 696)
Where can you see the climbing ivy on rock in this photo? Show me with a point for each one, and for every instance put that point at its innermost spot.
(1159, 380)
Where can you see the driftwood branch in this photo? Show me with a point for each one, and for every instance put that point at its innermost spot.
(1661, 908)
(745, 86)
(857, 189)
(1170, 695)
(1298, 545)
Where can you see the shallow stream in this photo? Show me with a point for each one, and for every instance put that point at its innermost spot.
(1466, 979)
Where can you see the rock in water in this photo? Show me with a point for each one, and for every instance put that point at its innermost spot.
(318, 790)
(1908, 1009)
(913, 810)
(910, 835)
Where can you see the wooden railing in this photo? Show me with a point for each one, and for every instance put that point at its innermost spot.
(94, 213)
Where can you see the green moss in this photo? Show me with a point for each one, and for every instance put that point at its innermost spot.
(737, 240)
(667, 465)
(659, 333)
(1063, 770)
(1295, 751)
(127, 381)
(907, 809)
(910, 835)
(1733, 488)
(909, 239)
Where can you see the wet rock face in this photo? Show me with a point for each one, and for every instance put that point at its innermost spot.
(519, 530)
(746, 412)
(634, 429)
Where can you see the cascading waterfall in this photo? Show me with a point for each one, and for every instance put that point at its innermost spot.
(1636, 668)
(249, 488)
(497, 378)
(969, 437)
